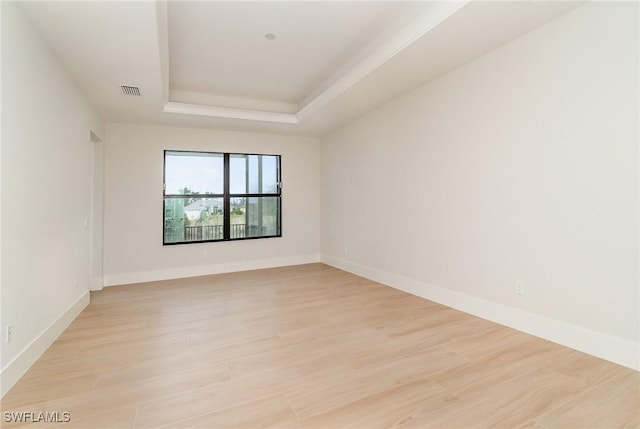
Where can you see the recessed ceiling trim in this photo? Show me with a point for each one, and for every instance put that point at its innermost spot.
(401, 40)
(205, 99)
(396, 43)
(229, 112)
(162, 19)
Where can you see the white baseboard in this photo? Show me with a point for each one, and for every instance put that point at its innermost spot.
(15, 369)
(613, 349)
(205, 270)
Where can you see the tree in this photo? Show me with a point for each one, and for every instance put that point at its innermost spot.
(187, 191)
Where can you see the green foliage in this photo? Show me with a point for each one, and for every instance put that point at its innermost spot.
(187, 191)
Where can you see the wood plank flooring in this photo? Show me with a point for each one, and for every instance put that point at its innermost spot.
(310, 346)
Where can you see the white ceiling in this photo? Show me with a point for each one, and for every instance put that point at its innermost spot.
(208, 64)
(220, 47)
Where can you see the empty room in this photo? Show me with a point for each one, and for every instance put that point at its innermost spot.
(320, 214)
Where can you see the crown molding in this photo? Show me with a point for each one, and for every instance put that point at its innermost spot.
(162, 19)
(230, 112)
(389, 48)
(370, 58)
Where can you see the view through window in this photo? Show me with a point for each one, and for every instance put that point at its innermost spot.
(212, 196)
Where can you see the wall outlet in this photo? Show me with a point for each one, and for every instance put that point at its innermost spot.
(9, 333)
(520, 287)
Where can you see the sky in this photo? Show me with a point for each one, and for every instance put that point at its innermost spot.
(204, 172)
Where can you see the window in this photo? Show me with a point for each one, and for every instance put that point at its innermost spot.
(220, 196)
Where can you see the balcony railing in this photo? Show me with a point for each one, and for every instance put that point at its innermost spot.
(211, 232)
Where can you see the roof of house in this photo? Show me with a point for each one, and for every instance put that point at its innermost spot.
(204, 205)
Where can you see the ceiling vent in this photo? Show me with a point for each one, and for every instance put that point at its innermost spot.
(130, 90)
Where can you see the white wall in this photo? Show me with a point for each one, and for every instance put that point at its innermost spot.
(134, 215)
(522, 165)
(46, 195)
(97, 214)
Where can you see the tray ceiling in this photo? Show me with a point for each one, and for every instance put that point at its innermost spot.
(288, 67)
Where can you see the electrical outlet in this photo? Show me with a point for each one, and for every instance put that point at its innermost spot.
(520, 287)
(9, 333)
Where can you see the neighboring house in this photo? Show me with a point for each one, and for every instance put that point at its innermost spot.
(209, 206)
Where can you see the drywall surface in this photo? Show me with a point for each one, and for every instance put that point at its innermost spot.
(519, 166)
(46, 195)
(134, 205)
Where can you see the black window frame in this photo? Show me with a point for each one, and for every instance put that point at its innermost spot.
(227, 196)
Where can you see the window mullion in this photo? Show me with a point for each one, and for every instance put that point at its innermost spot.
(182, 204)
(227, 199)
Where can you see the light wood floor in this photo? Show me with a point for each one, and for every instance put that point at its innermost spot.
(314, 347)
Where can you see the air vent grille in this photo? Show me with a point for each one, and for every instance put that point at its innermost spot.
(130, 90)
